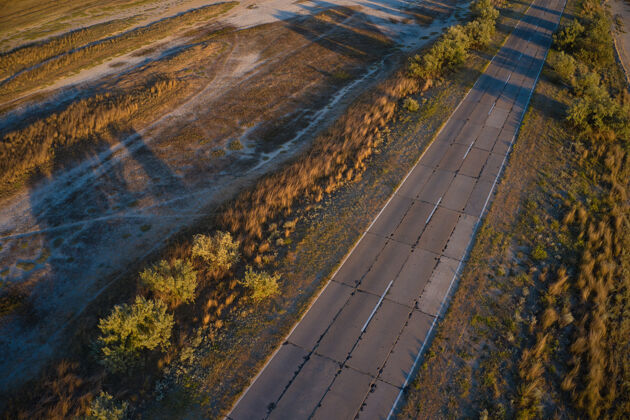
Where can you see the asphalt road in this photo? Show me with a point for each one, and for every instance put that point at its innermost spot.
(358, 345)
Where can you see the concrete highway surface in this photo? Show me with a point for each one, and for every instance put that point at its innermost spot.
(358, 345)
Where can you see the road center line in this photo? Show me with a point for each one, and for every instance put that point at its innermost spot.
(492, 107)
(434, 209)
(508, 78)
(377, 305)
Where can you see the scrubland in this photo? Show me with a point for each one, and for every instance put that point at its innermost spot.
(539, 325)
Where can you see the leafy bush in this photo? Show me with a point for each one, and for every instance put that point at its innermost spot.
(484, 10)
(565, 66)
(539, 253)
(411, 105)
(480, 32)
(594, 45)
(567, 39)
(594, 110)
(104, 407)
(260, 284)
(588, 38)
(173, 283)
(450, 51)
(131, 330)
(220, 250)
(235, 145)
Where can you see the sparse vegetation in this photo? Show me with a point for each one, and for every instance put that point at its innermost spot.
(174, 283)
(105, 407)
(260, 284)
(129, 331)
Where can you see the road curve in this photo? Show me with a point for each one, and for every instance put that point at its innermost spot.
(358, 345)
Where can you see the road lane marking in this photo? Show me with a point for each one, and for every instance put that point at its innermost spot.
(492, 107)
(508, 78)
(377, 305)
(433, 211)
(469, 147)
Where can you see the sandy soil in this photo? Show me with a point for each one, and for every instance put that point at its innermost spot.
(620, 11)
(66, 238)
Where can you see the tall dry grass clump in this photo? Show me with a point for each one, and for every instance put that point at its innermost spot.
(95, 53)
(23, 150)
(27, 56)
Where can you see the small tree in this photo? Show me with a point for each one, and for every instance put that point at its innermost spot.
(480, 32)
(260, 284)
(131, 330)
(484, 10)
(450, 51)
(105, 407)
(568, 38)
(565, 66)
(220, 251)
(173, 283)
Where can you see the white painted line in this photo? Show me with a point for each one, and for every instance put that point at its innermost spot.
(377, 305)
(433, 211)
(469, 147)
(495, 102)
(508, 78)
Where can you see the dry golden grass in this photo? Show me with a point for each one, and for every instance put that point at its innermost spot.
(95, 53)
(29, 55)
(34, 146)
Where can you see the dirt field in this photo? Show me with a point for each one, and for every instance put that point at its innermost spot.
(253, 88)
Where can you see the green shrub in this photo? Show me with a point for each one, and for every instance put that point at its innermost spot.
(567, 39)
(565, 67)
(484, 10)
(220, 250)
(594, 110)
(260, 284)
(131, 330)
(539, 253)
(104, 407)
(173, 283)
(480, 32)
(595, 44)
(235, 145)
(449, 52)
(411, 105)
